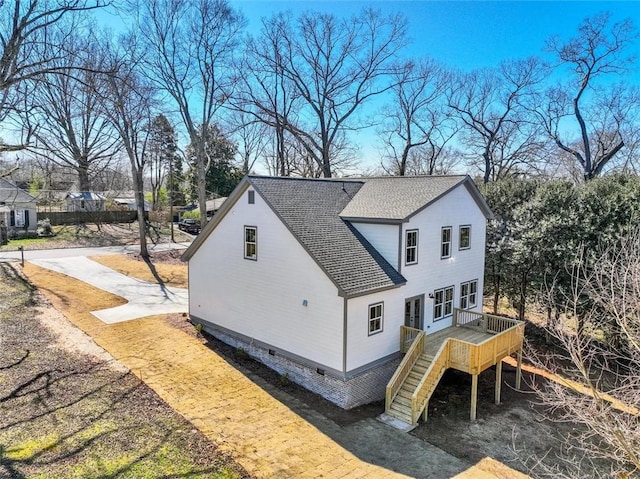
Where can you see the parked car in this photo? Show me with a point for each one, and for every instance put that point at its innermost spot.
(189, 226)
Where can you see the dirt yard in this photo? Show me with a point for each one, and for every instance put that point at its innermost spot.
(68, 410)
(513, 432)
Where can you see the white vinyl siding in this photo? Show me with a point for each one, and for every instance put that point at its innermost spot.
(284, 299)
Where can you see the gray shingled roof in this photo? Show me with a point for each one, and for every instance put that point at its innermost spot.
(310, 209)
(10, 193)
(397, 197)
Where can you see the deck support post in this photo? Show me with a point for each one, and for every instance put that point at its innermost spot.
(519, 369)
(498, 380)
(474, 396)
(425, 412)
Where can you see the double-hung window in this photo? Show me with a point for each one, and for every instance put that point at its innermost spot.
(376, 312)
(445, 244)
(464, 241)
(251, 242)
(442, 303)
(411, 248)
(469, 294)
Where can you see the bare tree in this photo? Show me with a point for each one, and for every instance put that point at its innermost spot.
(128, 103)
(417, 124)
(331, 67)
(604, 397)
(67, 121)
(27, 51)
(496, 125)
(252, 138)
(188, 53)
(597, 113)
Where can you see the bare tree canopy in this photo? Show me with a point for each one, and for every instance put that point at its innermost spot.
(491, 106)
(609, 411)
(311, 75)
(417, 124)
(189, 47)
(586, 116)
(28, 49)
(68, 122)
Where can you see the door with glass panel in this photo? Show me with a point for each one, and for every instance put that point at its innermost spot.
(413, 312)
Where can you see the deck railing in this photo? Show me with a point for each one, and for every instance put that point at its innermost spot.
(486, 323)
(407, 335)
(413, 353)
(507, 337)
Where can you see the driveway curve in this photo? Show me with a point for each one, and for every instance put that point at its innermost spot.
(144, 298)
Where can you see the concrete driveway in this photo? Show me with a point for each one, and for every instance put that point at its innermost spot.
(144, 299)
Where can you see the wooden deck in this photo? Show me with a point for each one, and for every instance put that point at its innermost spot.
(475, 342)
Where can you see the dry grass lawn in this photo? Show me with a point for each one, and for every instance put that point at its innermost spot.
(174, 275)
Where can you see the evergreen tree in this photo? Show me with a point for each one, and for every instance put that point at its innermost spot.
(222, 175)
(161, 156)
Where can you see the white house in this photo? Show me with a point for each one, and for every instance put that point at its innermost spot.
(85, 201)
(314, 277)
(17, 210)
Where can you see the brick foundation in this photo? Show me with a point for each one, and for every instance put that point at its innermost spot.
(363, 388)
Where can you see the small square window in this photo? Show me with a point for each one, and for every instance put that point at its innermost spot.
(251, 242)
(465, 237)
(445, 246)
(411, 247)
(252, 197)
(376, 312)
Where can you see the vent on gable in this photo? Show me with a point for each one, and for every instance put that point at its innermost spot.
(252, 197)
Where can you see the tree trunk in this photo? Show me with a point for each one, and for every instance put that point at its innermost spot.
(83, 175)
(142, 222)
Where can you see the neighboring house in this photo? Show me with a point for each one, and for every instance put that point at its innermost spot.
(214, 205)
(85, 201)
(316, 277)
(17, 209)
(130, 204)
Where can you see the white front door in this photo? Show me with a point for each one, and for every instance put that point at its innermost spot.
(413, 312)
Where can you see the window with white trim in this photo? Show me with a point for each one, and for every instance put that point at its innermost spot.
(442, 303)
(376, 311)
(464, 240)
(445, 246)
(411, 247)
(251, 242)
(469, 294)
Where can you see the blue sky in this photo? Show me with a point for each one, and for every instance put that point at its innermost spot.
(467, 34)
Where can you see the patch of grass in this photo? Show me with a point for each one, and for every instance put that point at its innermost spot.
(26, 450)
(171, 274)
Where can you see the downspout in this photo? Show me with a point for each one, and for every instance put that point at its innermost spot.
(344, 335)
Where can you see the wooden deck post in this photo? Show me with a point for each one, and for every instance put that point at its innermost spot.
(474, 396)
(425, 413)
(519, 369)
(498, 380)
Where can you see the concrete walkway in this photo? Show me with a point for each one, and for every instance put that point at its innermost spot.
(268, 432)
(144, 299)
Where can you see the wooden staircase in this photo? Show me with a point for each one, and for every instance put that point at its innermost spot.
(400, 407)
(476, 342)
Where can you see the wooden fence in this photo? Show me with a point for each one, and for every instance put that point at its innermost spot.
(80, 217)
